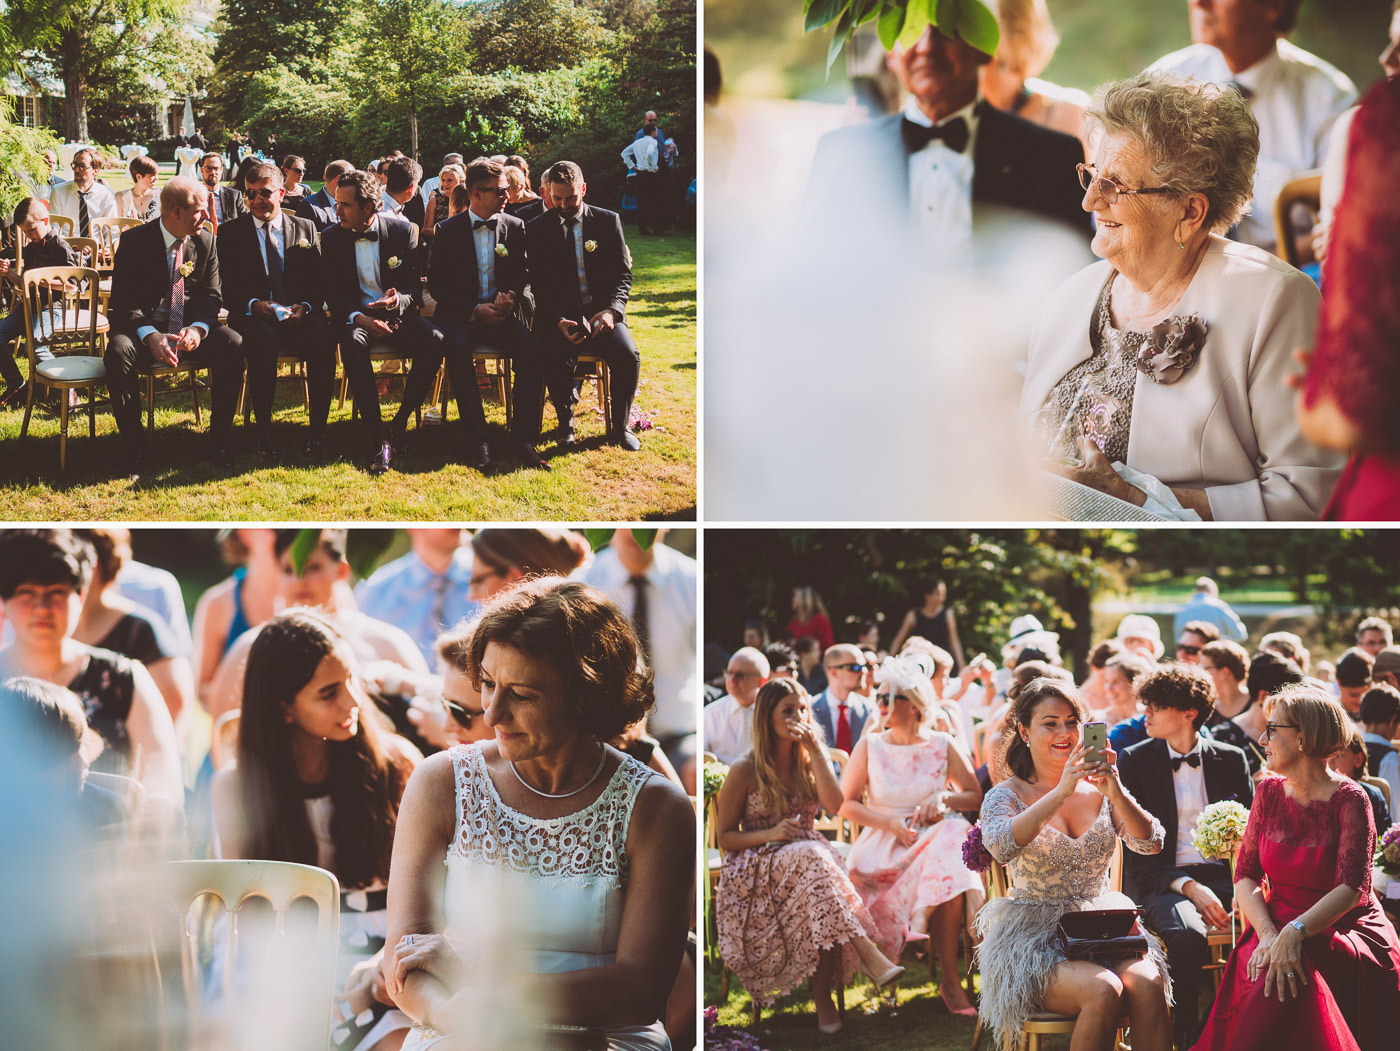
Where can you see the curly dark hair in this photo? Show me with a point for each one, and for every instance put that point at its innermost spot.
(45, 557)
(584, 636)
(1181, 686)
(1015, 753)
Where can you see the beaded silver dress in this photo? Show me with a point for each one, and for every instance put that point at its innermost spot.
(1051, 875)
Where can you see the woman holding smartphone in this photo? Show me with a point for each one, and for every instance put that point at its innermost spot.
(1053, 824)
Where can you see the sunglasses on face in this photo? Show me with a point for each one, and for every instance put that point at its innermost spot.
(884, 700)
(299, 171)
(852, 667)
(461, 716)
(1190, 651)
(499, 191)
(253, 195)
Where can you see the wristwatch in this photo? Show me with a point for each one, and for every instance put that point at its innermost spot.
(1297, 925)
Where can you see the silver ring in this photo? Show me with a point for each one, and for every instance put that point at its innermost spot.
(1292, 974)
(408, 939)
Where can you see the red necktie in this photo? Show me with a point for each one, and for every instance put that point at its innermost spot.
(843, 729)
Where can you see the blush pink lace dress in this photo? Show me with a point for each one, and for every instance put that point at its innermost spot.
(895, 881)
(779, 904)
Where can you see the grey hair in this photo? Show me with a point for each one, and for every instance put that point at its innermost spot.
(1201, 138)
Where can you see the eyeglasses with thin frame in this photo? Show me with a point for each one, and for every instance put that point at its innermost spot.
(461, 716)
(1108, 189)
(1269, 728)
(477, 579)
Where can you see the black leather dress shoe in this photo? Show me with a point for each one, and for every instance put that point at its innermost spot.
(626, 440)
(314, 452)
(477, 456)
(135, 464)
(267, 450)
(382, 462)
(15, 396)
(220, 456)
(526, 454)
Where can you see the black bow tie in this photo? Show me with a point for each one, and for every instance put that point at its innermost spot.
(365, 235)
(477, 224)
(1192, 760)
(1244, 92)
(916, 136)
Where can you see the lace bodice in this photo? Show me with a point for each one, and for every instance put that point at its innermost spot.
(757, 817)
(1054, 867)
(586, 845)
(1309, 846)
(903, 776)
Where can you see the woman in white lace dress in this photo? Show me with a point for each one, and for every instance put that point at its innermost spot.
(1052, 824)
(560, 917)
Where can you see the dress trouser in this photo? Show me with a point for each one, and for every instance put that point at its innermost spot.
(220, 351)
(1183, 932)
(461, 338)
(560, 357)
(309, 339)
(415, 339)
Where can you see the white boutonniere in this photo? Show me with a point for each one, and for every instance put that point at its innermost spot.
(186, 269)
(502, 251)
(394, 262)
(304, 244)
(590, 246)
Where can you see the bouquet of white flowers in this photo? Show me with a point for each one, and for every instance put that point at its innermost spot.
(1219, 830)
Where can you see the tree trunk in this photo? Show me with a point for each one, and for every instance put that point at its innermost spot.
(75, 107)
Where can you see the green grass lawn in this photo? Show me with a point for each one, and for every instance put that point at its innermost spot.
(593, 484)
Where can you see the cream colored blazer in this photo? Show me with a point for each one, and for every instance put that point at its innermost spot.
(1227, 425)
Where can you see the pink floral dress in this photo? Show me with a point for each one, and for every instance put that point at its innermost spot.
(779, 904)
(896, 881)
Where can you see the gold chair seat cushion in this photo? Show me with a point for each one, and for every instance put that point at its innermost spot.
(73, 368)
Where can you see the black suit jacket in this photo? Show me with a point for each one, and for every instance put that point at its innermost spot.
(554, 268)
(527, 210)
(1146, 771)
(231, 203)
(398, 244)
(245, 273)
(416, 210)
(1016, 165)
(452, 272)
(319, 207)
(141, 279)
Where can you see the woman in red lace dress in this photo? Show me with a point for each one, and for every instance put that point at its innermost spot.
(1320, 965)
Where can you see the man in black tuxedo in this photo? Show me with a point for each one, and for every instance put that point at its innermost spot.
(274, 286)
(581, 273)
(374, 291)
(478, 275)
(913, 169)
(401, 177)
(1175, 774)
(319, 207)
(164, 310)
(225, 203)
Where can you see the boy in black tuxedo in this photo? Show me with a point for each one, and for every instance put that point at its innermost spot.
(581, 272)
(275, 290)
(1174, 775)
(374, 290)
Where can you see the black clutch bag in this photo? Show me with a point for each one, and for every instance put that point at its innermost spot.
(1102, 934)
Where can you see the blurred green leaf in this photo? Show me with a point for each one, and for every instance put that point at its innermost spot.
(918, 14)
(644, 538)
(598, 538)
(891, 22)
(302, 546)
(844, 28)
(822, 12)
(978, 26)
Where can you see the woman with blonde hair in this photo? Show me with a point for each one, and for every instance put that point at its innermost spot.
(1011, 80)
(907, 862)
(786, 908)
(440, 201)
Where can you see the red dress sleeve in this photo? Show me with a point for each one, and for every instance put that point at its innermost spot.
(1356, 840)
(1247, 864)
(1356, 359)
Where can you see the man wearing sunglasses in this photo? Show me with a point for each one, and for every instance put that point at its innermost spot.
(478, 275)
(274, 287)
(1192, 638)
(840, 709)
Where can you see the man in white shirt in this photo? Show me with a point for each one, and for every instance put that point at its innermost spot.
(1380, 719)
(426, 591)
(1206, 604)
(658, 590)
(84, 199)
(1175, 774)
(643, 158)
(729, 720)
(1294, 95)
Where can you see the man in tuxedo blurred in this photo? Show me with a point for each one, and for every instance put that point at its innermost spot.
(83, 198)
(374, 291)
(164, 310)
(581, 272)
(274, 287)
(225, 203)
(319, 207)
(1175, 774)
(401, 176)
(478, 275)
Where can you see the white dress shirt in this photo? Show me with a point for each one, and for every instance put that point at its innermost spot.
(484, 238)
(641, 154)
(1189, 784)
(583, 295)
(728, 729)
(1389, 769)
(367, 267)
(1295, 97)
(940, 187)
(170, 239)
(101, 202)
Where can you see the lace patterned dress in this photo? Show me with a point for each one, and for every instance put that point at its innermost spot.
(544, 895)
(895, 881)
(779, 904)
(1352, 997)
(1050, 876)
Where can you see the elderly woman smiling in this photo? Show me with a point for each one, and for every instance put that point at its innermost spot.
(1179, 374)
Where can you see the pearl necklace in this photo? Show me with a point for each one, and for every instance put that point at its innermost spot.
(602, 759)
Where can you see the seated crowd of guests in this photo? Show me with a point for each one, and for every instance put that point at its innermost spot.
(326, 700)
(1310, 750)
(233, 277)
(1189, 321)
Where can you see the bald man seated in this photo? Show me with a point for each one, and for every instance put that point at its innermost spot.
(165, 311)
